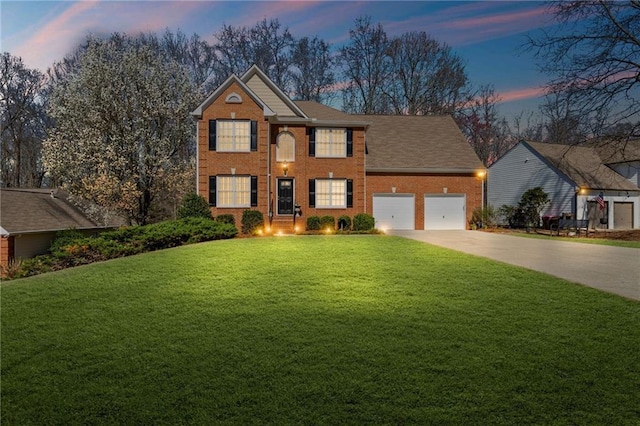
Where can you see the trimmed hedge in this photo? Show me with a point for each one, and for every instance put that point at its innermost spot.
(313, 223)
(194, 205)
(67, 251)
(327, 222)
(363, 222)
(251, 221)
(344, 223)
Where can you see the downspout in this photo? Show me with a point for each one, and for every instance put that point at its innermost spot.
(197, 156)
(269, 206)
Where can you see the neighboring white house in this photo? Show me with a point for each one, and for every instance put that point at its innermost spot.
(574, 177)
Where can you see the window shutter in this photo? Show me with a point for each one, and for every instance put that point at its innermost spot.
(312, 192)
(212, 191)
(212, 135)
(254, 135)
(349, 192)
(349, 142)
(254, 191)
(312, 141)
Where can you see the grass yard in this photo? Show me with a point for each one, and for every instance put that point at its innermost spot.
(315, 330)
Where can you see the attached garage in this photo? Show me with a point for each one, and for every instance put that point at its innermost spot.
(394, 211)
(444, 211)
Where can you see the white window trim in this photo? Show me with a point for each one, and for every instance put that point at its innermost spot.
(343, 154)
(234, 149)
(331, 206)
(234, 192)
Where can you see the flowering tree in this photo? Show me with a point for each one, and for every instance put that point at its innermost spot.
(122, 118)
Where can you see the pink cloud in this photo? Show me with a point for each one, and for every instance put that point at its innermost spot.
(521, 94)
(61, 35)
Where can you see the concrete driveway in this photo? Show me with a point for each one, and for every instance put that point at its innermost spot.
(611, 269)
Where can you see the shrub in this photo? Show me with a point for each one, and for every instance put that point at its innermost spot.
(328, 222)
(527, 212)
(226, 218)
(344, 223)
(127, 241)
(251, 221)
(363, 222)
(64, 238)
(194, 205)
(313, 223)
(484, 218)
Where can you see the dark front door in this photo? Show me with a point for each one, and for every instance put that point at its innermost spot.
(285, 196)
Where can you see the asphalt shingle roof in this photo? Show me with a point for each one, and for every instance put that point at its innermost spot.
(582, 165)
(418, 142)
(35, 210)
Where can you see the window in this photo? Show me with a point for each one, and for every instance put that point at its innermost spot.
(233, 191)
(233, 135)
(331, 193)
(331, 142)
(285, 147)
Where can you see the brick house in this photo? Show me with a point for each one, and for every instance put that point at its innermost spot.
(258, 149)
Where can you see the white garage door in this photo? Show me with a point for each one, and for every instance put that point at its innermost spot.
(394, 211)
(444, 211)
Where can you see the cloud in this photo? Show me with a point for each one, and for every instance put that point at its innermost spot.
(522, 94)
(64, 32)
(475, 23)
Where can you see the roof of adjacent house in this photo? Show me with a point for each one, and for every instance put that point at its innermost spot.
(404, 143)
(582, 165)
(613, 151)
(37, 210)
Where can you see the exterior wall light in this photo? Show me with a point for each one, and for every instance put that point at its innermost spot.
(285, 168)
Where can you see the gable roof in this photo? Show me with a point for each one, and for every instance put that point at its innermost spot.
(25, 211)
(582, 165)
(418, 144)
(271, 94)
(197, 113)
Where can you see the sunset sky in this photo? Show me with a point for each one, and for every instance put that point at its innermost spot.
(488, 35)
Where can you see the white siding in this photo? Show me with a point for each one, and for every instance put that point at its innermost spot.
(520, 170)
(269, 97)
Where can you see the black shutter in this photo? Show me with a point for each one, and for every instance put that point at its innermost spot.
(254, 191)
(349, 192)
(212, 191)
(312, 192)
(212, 135)
(254, 135)
(349, 142)
(312, 141)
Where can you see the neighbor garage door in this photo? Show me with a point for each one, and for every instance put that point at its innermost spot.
(394, 211)
(444, 211)
(622, 215)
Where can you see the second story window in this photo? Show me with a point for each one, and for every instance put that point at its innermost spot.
(233, 135)
(331, 143)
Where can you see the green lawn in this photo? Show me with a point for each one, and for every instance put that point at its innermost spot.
(315, 330)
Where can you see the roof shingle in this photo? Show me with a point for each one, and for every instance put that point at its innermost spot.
(36, 210)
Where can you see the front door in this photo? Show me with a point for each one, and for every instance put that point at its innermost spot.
(285, 196)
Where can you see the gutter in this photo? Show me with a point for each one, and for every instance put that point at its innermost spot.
(416, 170)
(5, 233)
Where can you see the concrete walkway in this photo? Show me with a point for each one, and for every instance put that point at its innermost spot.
(611, 269)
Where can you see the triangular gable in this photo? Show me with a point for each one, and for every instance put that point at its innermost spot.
(271, 94)
(197, 113)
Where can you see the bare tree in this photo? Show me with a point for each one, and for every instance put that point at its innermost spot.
(312, 74)
(487, 132)
(23, 123)
(427, 77)
(594, 58)
(366, 69)
(266, 45)
(562, 121)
